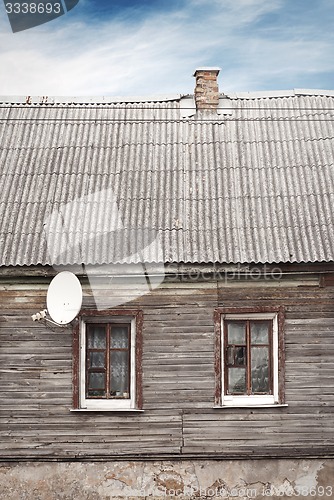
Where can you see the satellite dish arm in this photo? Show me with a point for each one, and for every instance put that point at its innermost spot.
(42, 315)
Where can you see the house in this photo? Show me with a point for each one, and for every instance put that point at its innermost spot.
(201, 230)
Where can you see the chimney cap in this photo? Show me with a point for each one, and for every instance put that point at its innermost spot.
(208, 68)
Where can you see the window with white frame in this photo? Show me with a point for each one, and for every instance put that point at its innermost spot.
(107, 361)
(250, 355)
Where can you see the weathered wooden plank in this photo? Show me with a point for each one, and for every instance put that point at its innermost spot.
(178, 378)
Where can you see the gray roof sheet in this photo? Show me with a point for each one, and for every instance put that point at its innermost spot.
(106, 181)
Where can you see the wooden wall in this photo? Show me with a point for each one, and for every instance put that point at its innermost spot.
(178, 378)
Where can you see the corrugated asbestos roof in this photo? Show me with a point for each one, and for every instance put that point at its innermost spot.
(107, 182)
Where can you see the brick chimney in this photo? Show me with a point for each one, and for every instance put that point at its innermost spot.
(206, 90)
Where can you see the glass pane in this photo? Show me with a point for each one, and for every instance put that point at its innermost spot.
(96, 380)
(119, 373)
(237, 380)
(119, 337)
(230, 356)
(96, 337)
(236, 332)
(259, 332)
(97, 359)
(96, 392)
(260, 370)
(236, 356)
(240, 356)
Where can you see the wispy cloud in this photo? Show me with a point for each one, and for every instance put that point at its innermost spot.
(259, 44)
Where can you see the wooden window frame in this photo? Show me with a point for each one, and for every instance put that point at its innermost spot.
(107, 351)
(276, 316)
(247, 344)
(134, 319)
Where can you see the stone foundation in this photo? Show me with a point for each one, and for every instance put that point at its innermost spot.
(184, 480)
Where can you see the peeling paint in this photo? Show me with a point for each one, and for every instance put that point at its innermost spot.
(310, 478)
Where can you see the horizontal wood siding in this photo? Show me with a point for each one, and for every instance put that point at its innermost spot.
(178, 379)
(306, 425)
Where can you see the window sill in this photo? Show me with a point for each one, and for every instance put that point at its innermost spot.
(107, 409)
(250, 406)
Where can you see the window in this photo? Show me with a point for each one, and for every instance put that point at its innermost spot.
(249, 357)
(107, 360)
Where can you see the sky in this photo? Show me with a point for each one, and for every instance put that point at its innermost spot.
(152, 47)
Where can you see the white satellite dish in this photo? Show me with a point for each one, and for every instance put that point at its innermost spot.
(64, 297)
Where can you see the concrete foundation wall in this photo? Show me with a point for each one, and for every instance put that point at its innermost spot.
(200, 479)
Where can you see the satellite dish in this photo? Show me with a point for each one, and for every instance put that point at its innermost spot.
(64, 298)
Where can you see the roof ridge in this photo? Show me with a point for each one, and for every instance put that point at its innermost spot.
(85, 100)
(258, 94)
(103, 100)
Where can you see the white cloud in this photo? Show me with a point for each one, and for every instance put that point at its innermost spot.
(159, 54)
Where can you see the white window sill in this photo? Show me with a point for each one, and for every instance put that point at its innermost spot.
(250, 405)
(107, 409)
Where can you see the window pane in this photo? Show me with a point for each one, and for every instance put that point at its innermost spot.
(236, 332)
(259, 332)
(119, 337)
(96, 384)
(237, 380)
(240, 356)
(230, 356)
(119, 373)
(96, 337)
(236, 356)
(260, 370)
(97, 359)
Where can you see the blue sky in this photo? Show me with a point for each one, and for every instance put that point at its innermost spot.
(131, 48)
